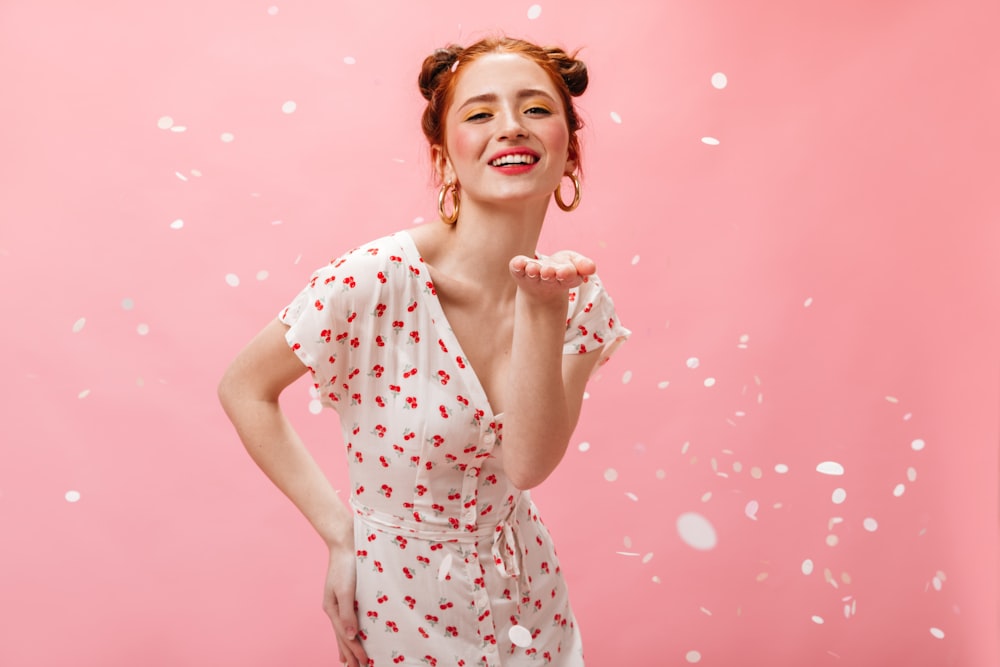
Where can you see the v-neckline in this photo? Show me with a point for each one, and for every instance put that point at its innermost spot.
(443, 325)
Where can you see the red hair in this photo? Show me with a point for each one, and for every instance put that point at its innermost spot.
(438, 78)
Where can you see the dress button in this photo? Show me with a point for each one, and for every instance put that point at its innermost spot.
(489, 438)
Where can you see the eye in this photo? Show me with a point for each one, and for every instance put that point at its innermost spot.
(478, 116)
(538, 111)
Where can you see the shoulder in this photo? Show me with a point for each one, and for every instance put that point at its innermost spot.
(362, 264)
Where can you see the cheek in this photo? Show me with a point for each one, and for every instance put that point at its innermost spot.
(462, 143)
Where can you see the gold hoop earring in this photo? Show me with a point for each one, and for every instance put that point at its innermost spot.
(455, 203)
(576, 195)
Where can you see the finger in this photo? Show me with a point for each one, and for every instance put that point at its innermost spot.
(518, 263)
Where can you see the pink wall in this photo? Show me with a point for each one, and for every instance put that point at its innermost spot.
(831, 264)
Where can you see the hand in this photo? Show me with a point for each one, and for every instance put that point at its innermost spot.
(558, 273)
(338, 603)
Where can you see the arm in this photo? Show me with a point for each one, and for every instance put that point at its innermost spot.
(545, 387)
(249, 392)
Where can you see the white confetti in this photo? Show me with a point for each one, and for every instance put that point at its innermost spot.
(709, 382)
(892, 399)
(693, 656)
(79, 324)
(626, 553)
(839, 496)
(705, 497)
(178, 128)
(611, 474)
(177, 224)
(705, 611)
(583, 446)
(72, 496)
(627, 541)
(781, 468)
(631, 496)
(534, 11)
(520, 636)
(445, 567)
(165, 122)
(899, 490)
(719, 80)
(917, 445)
(751, 509)
(808, 302)
(648, 557)
(663, 385)
(232, 280)
(315, 406)
(696, 531)
(196, 173)
(693, 362)
(807, 566)
(180, 176)
(710, 141)
(635, 260)
(830, 468)
(818, 620)
(142, 329)
(128, 304)
(756, 472)
(83, 394)
(870, 524)
(661, 474)
(417, 220)
(832, 540)
(227, 137)
(616, 118)
(626, 377)
(656, 579)
(937, 633)
(262, 275)
(936, 583)
(289, 107)
(272, 10)
(911, 474)
(349, 60)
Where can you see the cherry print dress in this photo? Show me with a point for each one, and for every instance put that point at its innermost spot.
(454, 566)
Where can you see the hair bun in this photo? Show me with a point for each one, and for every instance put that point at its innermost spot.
(436, 64)
(573, 71)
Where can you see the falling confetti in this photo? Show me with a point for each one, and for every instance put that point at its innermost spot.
(72, 496)
(315, 406)
(808, 302)
(262, 275)
(165, 123)
(583, 446)
(937, 633)
(719, 80)
(142, 329)
(610, 474)
(626, 377)
(917, 445)
(870, 524)
(693, 362)
(807, 567)
(751, 509)
(709, 382)
(830, 468)
(520, 636)
(696, 531)
(349, 60)
(839, 496)
(899, 490)
(693, 656)
(534, 11)
(781, 468)
(818, 620)
(83, 394)
(616, 118)
(128, 304)
(79, 324)
(289, 107)
(232, 280)
(177, 224)
(710, 141)
(227, 137)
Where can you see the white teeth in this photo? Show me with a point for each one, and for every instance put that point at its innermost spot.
(519, 158)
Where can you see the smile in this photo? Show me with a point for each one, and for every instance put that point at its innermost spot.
(516, 158)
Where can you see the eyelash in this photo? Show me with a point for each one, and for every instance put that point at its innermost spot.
(531, 111)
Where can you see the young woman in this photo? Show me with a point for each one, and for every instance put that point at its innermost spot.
(456, 358)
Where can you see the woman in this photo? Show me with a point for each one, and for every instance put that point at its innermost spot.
(457, 360)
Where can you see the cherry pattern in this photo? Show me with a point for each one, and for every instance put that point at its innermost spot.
(450, 555)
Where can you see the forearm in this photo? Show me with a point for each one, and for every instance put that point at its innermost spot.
(538, 417)
(279, 452)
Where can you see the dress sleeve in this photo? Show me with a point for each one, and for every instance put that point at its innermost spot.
(313, 330)
(592, 322)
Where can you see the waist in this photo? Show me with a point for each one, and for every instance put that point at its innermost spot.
(437, 531)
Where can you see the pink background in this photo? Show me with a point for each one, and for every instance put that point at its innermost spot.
(830, 264)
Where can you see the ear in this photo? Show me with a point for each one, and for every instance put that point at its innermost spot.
(442, 165)
(570, 167)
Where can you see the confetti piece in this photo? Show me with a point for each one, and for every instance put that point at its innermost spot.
(696, 531)
(616, 118)
(705, 611)
(656, 579)
(693, 362)
(315, 406)
(127, 304)
(892, 399)
(142, 329)
(807, 567)
(808, 302)
(832, 540)
(520, 636)
(227, 137)
(445, 567)
(818, 620)
(899, 490)
(289, 107)
(83, 394)
(839, 496)
(870, 524)
(781, 468)
(709, 382)
(262, 275)
(232, 280)
(661, 474)
(635, 260)
(631, 496)
(917, 445)
(719, 80)
(751, 509)
(663, 385)
(165, 123)
(610, 474)
(534, 11)
(626, 377)
(584, 446)
(627, 541)
(756, 472)
(911, 474)
(178, 128)
(626, 553)
(349, 60)
(693, 656)
(180, 176)
(710, 141)
(72, 496)
(79, 324)
(272, 10)
(830, 468)
(705, 497)
(177, 224)
(937, 633)
(648, 557)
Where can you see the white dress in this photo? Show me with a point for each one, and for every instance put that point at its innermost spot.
(454, 565)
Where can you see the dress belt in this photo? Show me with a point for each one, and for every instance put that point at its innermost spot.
(506, 549)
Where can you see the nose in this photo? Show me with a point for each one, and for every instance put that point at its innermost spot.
(511, 125)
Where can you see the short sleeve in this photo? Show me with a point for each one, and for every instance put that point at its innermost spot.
(312, 333)
(592, 323)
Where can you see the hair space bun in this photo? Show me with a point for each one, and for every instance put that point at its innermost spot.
(573, 71)
(436, 64)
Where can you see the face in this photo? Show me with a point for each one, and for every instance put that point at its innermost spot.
(506, 135)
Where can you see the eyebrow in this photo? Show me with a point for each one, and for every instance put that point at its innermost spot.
(493, 97)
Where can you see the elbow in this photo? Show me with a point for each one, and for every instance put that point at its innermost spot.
(525, 479)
